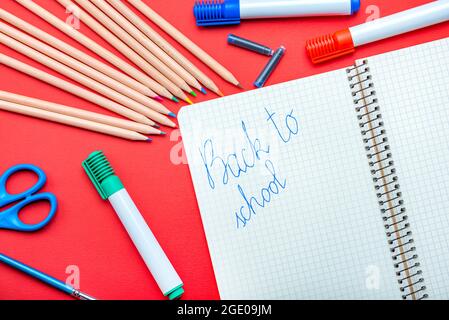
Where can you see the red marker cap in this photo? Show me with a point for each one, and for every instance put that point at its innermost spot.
(330, 46)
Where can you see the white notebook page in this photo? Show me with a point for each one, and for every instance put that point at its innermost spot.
(320, 235)
(412, 87)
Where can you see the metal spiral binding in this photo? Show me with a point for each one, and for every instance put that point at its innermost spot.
(380, 159)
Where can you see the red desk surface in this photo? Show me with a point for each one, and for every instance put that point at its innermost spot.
(86, 232)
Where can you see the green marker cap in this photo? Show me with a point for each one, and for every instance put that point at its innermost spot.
(102, 175)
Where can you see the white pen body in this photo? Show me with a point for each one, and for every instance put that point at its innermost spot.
(402, 22)
(145, 242)
(254, 9)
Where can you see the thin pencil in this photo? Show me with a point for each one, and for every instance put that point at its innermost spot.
(136, 34)
(164, 45)
(86, 81)
(82, 68)
(100, 12)
(78, 113)
(74, 89)
(75, 53)
(85, 16)
(72, 121)
(93, 46)
(186, 42)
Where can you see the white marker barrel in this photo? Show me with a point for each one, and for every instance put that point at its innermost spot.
(145, 242)
(402, 22)
(254, 9)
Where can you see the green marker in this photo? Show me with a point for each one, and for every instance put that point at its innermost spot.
(111, 188)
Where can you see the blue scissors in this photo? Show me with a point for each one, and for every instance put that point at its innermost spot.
(9, 218)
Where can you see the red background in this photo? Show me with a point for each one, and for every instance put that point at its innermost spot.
(86, 231)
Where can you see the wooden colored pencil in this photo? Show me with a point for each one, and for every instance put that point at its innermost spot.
(95, 47)
(82, 68)
(186, 42)
(136, 34)
(74, 89)
(109, 30)
(110, 22)
(72, 121)
(76, 53)
(78, 113)
(164, 45)
(86, 81)
(117, 43)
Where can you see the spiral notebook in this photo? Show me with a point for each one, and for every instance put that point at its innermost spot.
(334, 186)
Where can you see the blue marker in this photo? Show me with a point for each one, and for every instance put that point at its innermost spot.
(45, 278)
(223, 12)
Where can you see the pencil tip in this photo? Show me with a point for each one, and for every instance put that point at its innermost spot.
(156, 126)
(188, 101)
(172, 114)
(193, 93)
(162, 133)
(149, 140)
(158, 98)
(203, 90)
(240, 86)
(175, 99)
(220, 93)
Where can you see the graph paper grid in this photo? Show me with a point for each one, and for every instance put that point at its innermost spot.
(320, 237)
(412, 86)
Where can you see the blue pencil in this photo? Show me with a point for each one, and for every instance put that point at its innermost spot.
(45, 278)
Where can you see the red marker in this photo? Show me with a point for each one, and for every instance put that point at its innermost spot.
(345, 41)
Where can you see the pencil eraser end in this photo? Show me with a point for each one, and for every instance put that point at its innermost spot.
(330, 46)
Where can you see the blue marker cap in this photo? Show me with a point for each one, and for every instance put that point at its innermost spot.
(355, 6)
(215, 13)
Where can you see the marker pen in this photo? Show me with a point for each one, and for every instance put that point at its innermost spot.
(345, 41)
(223, 12)
(110, 187)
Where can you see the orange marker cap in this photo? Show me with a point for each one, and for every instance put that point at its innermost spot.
(330, 46)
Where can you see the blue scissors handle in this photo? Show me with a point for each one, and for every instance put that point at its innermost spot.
(9, 219)
(7, 198)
